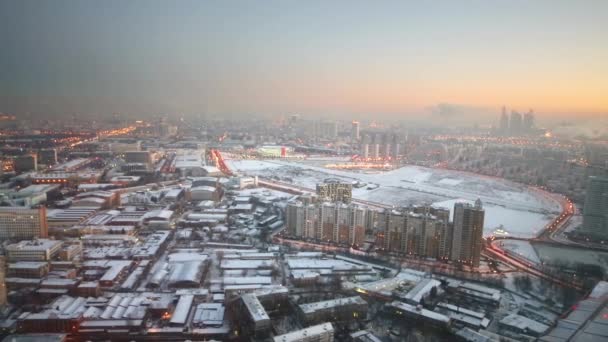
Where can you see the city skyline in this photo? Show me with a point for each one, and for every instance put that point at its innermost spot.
(297, 171)
(401, 60)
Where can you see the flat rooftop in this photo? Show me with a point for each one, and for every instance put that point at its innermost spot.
(301, 335)
(255, 308)
(313, 307)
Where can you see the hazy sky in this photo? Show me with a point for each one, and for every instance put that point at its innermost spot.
(310, 57)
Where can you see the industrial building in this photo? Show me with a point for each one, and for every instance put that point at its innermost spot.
(33, 250)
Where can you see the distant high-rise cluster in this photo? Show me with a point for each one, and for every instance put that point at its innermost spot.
(516, 124)
(416, 231)
(380, 145)
(595, 211)
(325, 129)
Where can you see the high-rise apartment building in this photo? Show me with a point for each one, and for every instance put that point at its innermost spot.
(417, 231)
(326, 129)
(334, 190)
(467, 233)
(528, 122)
(396, 146)
(503, 125)
(327, 221)
(364, 147)
(413, 231)
(595, 211)
(23, 223)
(354, 131)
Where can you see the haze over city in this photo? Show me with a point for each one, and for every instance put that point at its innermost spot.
(303, 171)
(395, 60)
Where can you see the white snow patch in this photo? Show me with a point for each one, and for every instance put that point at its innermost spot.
(250, 165)
(517, 223)
(450, 181)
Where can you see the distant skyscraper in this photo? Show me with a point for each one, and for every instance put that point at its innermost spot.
(515, 125)
(354, 133)
(528, 123)
(504, 122)
(385, 147)
(364, 150)
(293, 120)
(374, 147)
(595, 211)
(327, 129)
(468, 233)
(396, 145)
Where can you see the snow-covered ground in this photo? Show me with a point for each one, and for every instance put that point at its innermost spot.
(250, 165)
(518, 223)
(264, 193)
(522, 212)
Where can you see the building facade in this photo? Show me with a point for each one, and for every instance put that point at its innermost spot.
(595, 211)
(334, 190)
(327, 221)
(23, 223)
(467, 234)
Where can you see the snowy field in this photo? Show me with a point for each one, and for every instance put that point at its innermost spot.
(521, 212)
(518, 223)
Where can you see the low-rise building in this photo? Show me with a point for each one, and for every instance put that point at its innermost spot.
(419, 314)
(341, 309)
(28, 269)
(252, 317)
(33, 250)
(23, 223)
(316, 333)
(518, 324)
(208, 315)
